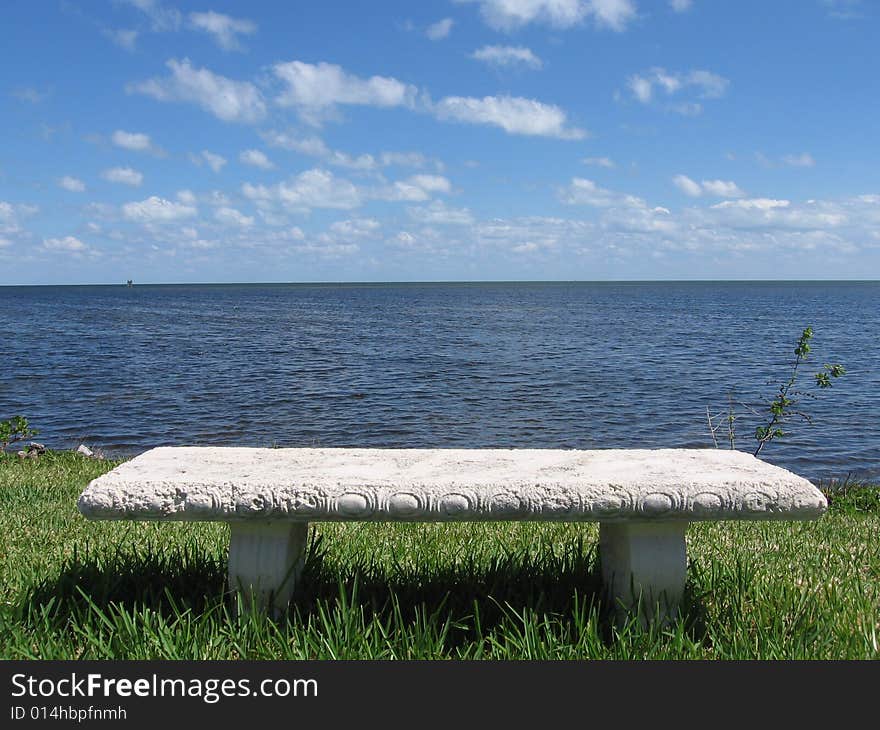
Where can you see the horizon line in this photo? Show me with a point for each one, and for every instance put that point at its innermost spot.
(449, 281)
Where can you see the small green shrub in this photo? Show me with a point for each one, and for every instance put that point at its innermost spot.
(14, 430)
(784, 406)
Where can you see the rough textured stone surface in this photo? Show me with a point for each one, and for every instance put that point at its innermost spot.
(231, 484)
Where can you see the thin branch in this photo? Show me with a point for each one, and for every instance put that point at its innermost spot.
(711, 429)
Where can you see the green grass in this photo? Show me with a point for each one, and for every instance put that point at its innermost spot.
(93, 590)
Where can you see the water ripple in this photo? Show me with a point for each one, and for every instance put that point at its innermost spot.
(476, 365)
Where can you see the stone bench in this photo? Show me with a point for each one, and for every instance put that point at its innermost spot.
(643, 500)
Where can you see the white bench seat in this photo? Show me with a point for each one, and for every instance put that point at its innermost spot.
(643, 499)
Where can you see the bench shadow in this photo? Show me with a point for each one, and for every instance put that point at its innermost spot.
(161, 580)
(172, 582)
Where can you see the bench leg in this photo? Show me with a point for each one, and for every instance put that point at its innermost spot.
(644, 564)
(265, 562)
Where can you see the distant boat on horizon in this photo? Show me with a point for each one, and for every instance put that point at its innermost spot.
(130, 282)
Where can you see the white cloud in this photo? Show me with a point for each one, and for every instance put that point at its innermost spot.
(531, 234)
(717, 188)
(616, 225)
(639, 219)
(681, 6)
(229, 100)
(338, 240)
(403, 159)
(314, 146)
(414, 189)
(438, 213)
(217, 198)
(507, 56)
(431, 183)
(401, 191)
(273, 218)
(706, 84)
(586, 192)
(126, 39)
(73, 184)
(710, 85)
(9, 212)
(613, 14)
(162, 17)
(123, 176)
(131, 140)
(68, 243)
(356, 228)
(233, 217)
(761, 204)
(11, 231)
(314, 188)
(426, 241)
(513, 114)
(211, 159)
(202, 244)
(318, 188)
(343, 159)
(440, 30)
(599, 162)
(805, 224)
(99, 210)
(722, 188)
(641, 88)
(626, 226)
(135, 141)
(687, 186)
(222, 28)
(805, 159)
(508, 15)
(511, 14)
(620, 212)
(187, 197)
(157, 210)
(327, 250)
(307, 145)
(316, 89)
(256, 158)
(259, 193)
(766, 224)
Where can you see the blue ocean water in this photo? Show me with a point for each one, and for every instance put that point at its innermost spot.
(545, 365)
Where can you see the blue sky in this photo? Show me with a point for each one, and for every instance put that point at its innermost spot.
(221, 141)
